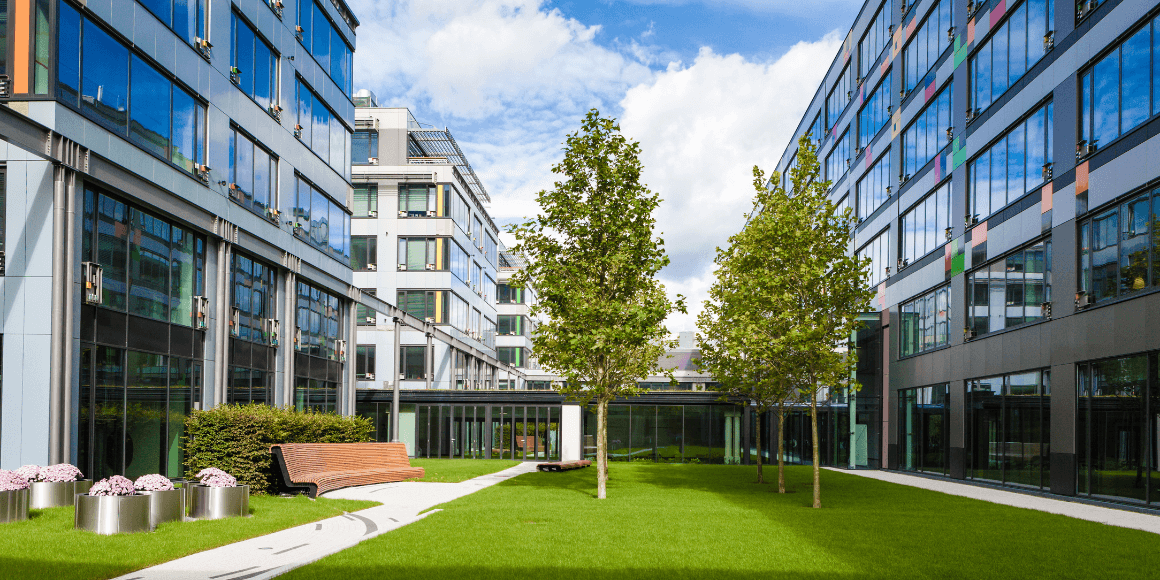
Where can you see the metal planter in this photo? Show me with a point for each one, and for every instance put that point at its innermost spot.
(165, 506)
(50, 494)
(112, 514)
(13, 505)
(215, 503)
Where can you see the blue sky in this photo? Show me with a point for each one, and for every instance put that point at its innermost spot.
(709, 88)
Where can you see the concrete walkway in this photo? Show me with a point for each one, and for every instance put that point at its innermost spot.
(1083, 511)
(273, 554)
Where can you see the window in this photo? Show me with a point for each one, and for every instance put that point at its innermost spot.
(875, 114)
(1119, 248)
(838, 161)
(927, 44)
(488, 281)
(838, 98)
(364, 315)
(818, 129)
(459, 212)
(924, 414)
(926, 226)
(460, 263)
(1113, 452)
(510, 295)
(1114, 94)
(364, 147)
(874, 187)
(513, 356)
(254, 291)
(421, 200)
(364, 362)
(875, 39)
(185, 17)
(459, 312)
(1013, 165)
(876, 250)
(1010, 51)
(414, 361)
(364, 252)
(490, 249)
(429, 305)
(322, 39)
(1009, 428)
(366, 200)
(926, 135)
(255, 64)
(156, 114)
(1010, 291)
(321, 130)
(925, 322)
(476, 320)
(253, 173)
(317, 321)
(488, 332)
(476, 276)
(321, 222)
(151, 267)
(511, 325)
(423, 254)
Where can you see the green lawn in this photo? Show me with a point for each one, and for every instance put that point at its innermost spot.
(47, 546)
(457, 470)
(697, 521)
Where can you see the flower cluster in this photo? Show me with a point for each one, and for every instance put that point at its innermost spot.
(220, 480)
(12, 480)
(153, 482)
(58, 473)
(210, 471)
(29, 472)
(116, 485)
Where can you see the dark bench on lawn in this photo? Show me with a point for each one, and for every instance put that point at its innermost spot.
(321, 467)
(563, 465)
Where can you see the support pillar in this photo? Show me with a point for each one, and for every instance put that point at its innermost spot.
(429, 360)
(351, 391)
(395, 385)
(287, 345)
(59, 353)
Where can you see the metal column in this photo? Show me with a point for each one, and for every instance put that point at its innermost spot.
(395, 385)
(58, 356)
(429, 359)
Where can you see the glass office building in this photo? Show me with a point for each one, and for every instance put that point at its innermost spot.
(1015, 240)
(176, 228)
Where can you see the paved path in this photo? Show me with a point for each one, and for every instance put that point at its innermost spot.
(270, 555)
(1083, 511)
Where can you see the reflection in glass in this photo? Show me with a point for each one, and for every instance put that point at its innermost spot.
(105, 81)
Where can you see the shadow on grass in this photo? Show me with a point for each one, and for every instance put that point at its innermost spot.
(508, 571)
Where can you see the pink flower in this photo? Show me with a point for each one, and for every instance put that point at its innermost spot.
(12, 480)
(29, 472)
(220, 480)
(113, 486)
(58, 473)
(153, 482)
(210, 471)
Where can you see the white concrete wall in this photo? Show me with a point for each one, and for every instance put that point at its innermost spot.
(570, 430)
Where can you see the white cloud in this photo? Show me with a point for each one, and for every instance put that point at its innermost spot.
(787, 7)
(702, 128)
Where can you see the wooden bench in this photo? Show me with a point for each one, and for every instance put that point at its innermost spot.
(563, 465)
(321, 467)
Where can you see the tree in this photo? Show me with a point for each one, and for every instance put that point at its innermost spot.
(827, 286)
(593, 262)
(737, 323)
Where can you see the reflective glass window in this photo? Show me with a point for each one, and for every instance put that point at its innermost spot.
(925, 226)
(104, 78)
(149, 118)
(927, 44)
(1010, 291)
(1010, 51)
(926, 135)
(874, 187)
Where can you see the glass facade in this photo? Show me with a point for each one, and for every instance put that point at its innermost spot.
(927, 134)
(926, 227)
(364, 147)
(253, 173)
(1119, 248)
(838, 161)
(1017, 163)
(321, 38)
(874, 187)
(927, 45)
(838, 98)
(1011, 50)
(876, 38)
(321, 222)
(1117, 428)
(875, 114)
(1010, 291)
(924, 428)
(321, 130)
(1009, 429)
(254, 63)
(925, 322)
(876, 250)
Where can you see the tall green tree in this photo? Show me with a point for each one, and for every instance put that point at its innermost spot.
(740, 335)
(828, 286)
(593, 261)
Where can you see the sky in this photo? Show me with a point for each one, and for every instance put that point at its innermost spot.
(709, 88)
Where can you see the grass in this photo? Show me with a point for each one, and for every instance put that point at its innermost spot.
(667, 522)
(457, 470)
(47, 546)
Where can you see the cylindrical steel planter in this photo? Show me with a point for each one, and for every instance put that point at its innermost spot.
(112, 514)
(166, 506)
(13, 505)
(50, 494)
(215, 503)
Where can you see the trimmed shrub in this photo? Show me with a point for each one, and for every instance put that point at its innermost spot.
(237, 439)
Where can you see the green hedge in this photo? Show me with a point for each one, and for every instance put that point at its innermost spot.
(237, 438)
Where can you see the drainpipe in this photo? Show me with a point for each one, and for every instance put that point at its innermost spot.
(57, 357)
(221, 374)
(287, 343)
(70, 332)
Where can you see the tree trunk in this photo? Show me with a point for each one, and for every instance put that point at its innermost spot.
(601, 449)
(817, 468)
(760, 479)
(781, 447)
